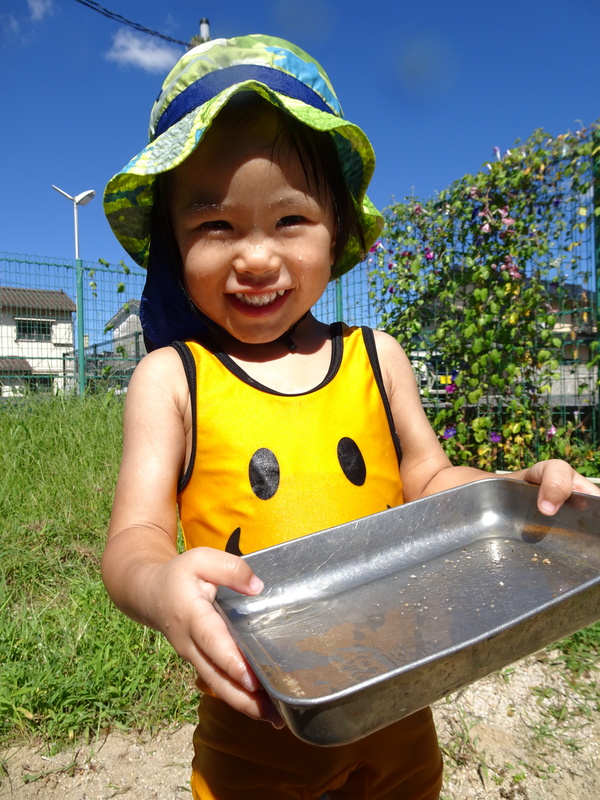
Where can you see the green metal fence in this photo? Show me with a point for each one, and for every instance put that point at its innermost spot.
(41, 322)
(68, 326)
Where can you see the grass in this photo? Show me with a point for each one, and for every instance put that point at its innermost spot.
(70, 663)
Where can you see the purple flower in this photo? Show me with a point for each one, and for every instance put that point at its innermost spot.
(551, 432)
(451, 388)
(495, 437)
(505, 217)
(428, 254)
(449, 432)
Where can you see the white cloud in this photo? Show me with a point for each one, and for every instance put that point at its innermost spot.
(10, 24)
(141, 51)
(38, 9)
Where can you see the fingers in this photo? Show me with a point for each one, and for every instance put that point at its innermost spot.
(225, 569)
(582, 484)
(557, 480)
(216, 656)
(223, 669)
(199, 633)
(556, 486)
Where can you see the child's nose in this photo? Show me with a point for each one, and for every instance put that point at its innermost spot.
(257, 256)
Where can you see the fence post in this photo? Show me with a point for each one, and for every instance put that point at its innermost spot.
(339, 305)
(596, 210)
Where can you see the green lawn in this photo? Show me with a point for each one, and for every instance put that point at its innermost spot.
(70, 663)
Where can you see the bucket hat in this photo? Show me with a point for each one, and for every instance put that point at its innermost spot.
(193, 93)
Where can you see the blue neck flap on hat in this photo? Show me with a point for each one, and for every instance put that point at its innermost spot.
(166, 312)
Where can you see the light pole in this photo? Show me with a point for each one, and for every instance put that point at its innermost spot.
(79, 200)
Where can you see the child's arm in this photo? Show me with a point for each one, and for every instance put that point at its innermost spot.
(141, 568)
(425, 467)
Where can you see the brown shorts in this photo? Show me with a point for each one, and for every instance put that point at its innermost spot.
(238, 758)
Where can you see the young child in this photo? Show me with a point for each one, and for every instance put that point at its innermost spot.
(250, 418)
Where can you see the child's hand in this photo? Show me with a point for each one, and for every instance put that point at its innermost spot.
(556, 480)
(185, 589)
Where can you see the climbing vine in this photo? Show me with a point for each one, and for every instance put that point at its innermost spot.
(485, 287)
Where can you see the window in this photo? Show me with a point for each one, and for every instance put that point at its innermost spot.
(34, 330)
(38, 383)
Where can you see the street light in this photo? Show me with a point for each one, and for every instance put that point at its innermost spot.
(79, 200)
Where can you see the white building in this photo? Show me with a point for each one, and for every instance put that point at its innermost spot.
(127, 336)
(36, 340)
(112, 362)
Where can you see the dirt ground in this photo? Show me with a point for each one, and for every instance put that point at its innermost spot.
(526, 733)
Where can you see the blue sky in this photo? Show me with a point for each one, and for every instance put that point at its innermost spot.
(436, 85)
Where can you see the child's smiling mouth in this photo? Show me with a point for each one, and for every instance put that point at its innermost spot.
(259, 300)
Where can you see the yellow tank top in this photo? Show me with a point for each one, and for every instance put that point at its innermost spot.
(267, 467)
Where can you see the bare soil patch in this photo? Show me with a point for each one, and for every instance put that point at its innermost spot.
(526, 733)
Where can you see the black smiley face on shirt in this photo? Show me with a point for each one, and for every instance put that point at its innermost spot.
(264, 475)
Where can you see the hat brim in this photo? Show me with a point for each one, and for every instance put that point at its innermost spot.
(129, 195)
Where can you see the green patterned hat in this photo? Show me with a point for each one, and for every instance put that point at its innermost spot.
(194, 92)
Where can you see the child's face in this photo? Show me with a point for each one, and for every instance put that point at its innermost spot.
(256, 241)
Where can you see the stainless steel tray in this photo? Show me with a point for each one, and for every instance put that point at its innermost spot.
(363, 624)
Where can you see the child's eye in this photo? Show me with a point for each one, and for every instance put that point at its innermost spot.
(216, 225)
(291, 219)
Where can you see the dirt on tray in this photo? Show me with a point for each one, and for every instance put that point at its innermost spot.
(526, 733)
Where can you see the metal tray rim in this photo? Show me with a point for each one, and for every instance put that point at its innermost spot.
(293, 700)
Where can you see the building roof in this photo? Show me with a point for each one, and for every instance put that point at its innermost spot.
(128, 309)
(35, 300)
(13, 365)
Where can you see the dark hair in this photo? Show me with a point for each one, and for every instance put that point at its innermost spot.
(318, 157)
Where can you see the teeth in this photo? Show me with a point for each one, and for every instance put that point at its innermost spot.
(259, 299)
